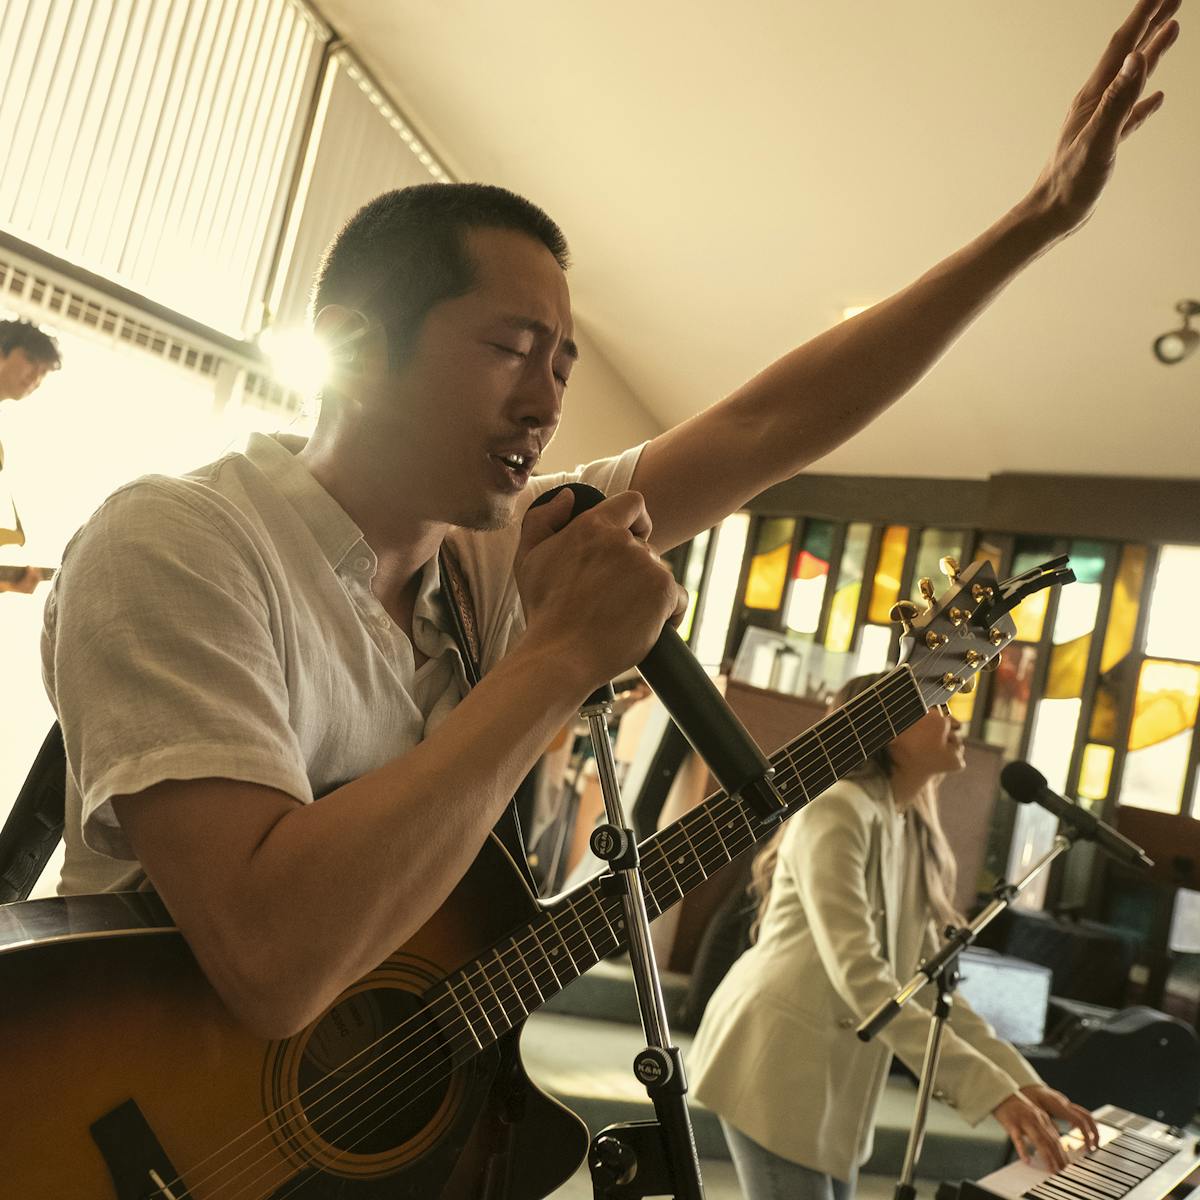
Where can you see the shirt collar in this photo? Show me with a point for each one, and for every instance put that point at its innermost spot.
(332, 527)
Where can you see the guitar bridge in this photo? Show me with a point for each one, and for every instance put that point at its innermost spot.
(138, 1164)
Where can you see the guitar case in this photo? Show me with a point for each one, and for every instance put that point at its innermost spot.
(1139, 1059)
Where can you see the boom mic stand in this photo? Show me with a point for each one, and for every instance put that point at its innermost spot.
(634, 1159)
(942, 968)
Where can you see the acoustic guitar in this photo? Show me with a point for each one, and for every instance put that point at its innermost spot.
(125, 1078)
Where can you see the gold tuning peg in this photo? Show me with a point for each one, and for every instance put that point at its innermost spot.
(903, 611)
(926, 586)
(949, 567)
(968, 685)
(992, 663)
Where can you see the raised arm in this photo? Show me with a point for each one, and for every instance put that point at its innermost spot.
(819, 395)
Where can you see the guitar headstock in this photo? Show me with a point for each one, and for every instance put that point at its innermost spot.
(964, 632)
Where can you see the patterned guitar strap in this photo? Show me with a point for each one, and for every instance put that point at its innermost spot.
(466, 635)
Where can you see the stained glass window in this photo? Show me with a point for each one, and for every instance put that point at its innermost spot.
(888, 570)
(1172, 630)
(716, 605)
(839, 633)
(1123, 612)
(989, 549)
(693, 575)
(1053, 740)
(769, 566)
(1030, 615)
(936, 544)
(810, 573)
(962, 706)
(1008, 705)
(1053, 737)
(1160, 736)
(1095, 770)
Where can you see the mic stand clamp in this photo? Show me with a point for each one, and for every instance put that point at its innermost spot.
(942, 969)
(634, 1159)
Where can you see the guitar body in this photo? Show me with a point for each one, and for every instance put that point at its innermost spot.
(104, 1005)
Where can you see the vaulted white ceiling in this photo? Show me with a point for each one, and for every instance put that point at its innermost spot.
(731, 176)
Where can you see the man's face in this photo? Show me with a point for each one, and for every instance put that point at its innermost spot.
(469, 412)
(20, 375)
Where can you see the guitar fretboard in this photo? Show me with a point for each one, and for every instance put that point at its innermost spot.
(489, 997)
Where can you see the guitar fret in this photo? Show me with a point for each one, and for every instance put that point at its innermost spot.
(691, 857)
(575, 914)
(507, 977)
(546, 956)
(502, 1019)
(671, 871)
(712, 820)
(612, 932)
(524, 962)
(566, 947)
(479, 1005)
(654, 874)
(463, 1012)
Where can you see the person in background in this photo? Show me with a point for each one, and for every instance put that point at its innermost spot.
(852, 894)
(27, 356)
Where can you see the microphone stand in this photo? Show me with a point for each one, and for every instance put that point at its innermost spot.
(942, 969)
(634, 1159)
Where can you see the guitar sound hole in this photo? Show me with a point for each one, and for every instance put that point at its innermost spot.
(370, 1076)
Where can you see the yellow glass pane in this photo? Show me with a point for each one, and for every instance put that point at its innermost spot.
(1168, 696)
(1095, 770)
(1068, 663)
(886, 591)
(1123, 615)
(988, 551)
(1104, 715)
(839, 635)
(1030, 615)
(963, 706)
(768, 574)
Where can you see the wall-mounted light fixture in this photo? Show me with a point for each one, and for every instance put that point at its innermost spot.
(1175, 346)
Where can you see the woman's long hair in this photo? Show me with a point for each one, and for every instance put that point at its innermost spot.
(938, 867)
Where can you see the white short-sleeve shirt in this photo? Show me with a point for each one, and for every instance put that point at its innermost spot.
(222, 625)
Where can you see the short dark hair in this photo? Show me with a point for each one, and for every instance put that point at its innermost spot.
(37, 344)
(405, 251)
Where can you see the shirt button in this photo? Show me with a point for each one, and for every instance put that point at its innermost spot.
(846, 1023)
(362, 564)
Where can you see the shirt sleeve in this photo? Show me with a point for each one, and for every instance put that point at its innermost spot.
(827, 850)
(160, 660)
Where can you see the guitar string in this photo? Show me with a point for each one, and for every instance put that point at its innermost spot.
(663, 869)
(438, 1073)
(431, 1077)
(788, 756)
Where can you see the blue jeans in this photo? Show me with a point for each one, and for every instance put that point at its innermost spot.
(766, 1176)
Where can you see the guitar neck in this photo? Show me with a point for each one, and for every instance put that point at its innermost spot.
(496, 993)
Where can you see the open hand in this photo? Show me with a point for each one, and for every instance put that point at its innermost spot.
(1108, 108)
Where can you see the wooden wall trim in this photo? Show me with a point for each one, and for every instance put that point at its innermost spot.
(1121, 508)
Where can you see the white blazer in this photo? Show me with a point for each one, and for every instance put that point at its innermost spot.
(776, 1054)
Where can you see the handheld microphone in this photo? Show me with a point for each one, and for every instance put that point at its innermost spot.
(694, 704)
(1027, 785)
